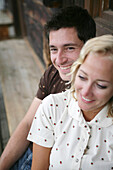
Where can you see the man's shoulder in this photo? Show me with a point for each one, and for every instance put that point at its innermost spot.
(51, 70)
(53, 81)
(51, 75)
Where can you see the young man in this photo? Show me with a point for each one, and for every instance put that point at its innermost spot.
(67, 32)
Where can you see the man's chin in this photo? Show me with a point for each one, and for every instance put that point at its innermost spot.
(64, 77)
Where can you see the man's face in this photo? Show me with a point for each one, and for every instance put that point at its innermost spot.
(64, 47)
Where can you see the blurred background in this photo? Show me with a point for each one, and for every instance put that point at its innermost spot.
(20, 18)
(23, 51)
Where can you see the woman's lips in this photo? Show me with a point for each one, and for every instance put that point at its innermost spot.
(86, 100)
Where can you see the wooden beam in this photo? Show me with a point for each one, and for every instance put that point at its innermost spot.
(106, 4)
(18, 18)
(89, 6)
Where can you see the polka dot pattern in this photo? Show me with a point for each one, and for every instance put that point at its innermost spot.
(77, 144)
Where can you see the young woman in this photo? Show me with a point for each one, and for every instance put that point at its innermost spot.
(74, 129)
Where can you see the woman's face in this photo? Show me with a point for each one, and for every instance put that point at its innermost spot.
(94, 83)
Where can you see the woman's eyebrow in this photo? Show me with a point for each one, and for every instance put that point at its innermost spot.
(106, 81)
(83, 72)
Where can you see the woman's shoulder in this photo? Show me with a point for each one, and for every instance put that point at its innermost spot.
(61, 97)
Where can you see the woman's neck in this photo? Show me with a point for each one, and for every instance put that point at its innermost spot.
(89, 115)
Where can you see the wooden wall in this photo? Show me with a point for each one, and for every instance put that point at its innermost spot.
(35, 16)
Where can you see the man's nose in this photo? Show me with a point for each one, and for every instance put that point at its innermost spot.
(61, 57)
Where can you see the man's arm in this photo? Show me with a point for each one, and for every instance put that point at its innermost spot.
(18, 142)
(40, 162)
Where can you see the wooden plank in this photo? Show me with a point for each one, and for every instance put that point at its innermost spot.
(4, 32)
(87, 5)
(94, 7)
(19, 75)
(4, 132)
(106, 5)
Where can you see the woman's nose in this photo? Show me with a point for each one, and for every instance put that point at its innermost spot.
(87, 90)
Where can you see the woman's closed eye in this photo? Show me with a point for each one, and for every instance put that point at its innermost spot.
(82, 77)
(101, 86)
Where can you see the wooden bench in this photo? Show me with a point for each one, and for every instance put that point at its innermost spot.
(20, 72)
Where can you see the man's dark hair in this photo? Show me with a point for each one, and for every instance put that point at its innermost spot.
(73, 16)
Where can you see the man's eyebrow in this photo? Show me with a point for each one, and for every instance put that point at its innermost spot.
(71, 44)
(65, 45)
(50, 46)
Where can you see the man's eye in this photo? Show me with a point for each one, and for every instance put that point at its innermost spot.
(101, 86)
(53, 50)
(70, 48)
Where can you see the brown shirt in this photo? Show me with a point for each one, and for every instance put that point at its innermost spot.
(51, 83)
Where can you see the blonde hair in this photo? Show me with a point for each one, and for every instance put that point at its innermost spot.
(102, 44)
